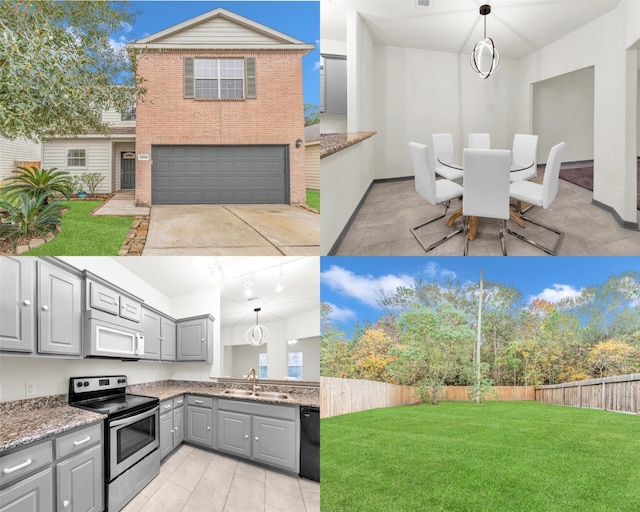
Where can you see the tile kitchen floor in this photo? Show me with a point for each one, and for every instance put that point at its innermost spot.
(194, 480)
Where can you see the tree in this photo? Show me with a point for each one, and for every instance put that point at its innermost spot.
(613, 357)
(311, 114)
(371, 354)
(59, 67)
(335, 351)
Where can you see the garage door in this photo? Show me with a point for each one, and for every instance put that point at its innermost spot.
(219, 174)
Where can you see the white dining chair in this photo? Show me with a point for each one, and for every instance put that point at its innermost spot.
(433, 191)
(524, 151)
(479, 141)
(486, 188)
(541, 195)
(443, 151)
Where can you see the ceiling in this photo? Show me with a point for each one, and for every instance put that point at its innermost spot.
(180, 275)
(518, 27)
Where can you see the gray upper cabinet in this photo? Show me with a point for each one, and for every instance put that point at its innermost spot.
(168, 342)
(151, 326)
(103, 296)
(195, 338)
(59, 310)
(17, 304)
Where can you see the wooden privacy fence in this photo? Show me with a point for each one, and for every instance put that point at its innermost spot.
(505, 393)
(620, 393)
(343, 396)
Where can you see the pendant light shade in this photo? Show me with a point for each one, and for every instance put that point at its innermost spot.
(258, 334)
(485, 57)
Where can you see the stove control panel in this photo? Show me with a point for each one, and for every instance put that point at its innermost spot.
(88, 384)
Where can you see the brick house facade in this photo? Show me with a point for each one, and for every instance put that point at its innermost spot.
(269, 111)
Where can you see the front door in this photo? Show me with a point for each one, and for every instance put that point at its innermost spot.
(128, 166)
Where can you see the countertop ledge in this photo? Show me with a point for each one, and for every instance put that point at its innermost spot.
(331, 143)
(29, 426)
(164, 390)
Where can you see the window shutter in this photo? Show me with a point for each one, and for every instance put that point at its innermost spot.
(251, 77)
(188, 77)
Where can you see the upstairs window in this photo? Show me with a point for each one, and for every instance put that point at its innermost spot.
(219, 78)
(129, 115)
(76, 158)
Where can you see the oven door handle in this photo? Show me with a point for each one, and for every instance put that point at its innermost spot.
(133, 419)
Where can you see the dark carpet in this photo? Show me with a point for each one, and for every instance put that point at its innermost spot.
(583, 177)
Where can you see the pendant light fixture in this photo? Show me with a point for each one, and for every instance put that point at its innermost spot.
(485, 57)
(258, 334)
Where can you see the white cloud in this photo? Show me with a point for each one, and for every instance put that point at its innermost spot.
(363, 288)
(339, 314)
(126, 27)
(119, 44)
(433, 270)
(556, 293)
(316, 66)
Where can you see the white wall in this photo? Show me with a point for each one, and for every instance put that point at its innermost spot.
(602, 44)
(422, 92)
(361, 68)
(563, 112)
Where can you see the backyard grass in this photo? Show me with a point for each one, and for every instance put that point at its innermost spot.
(313, 199)
(499, 456)
(84, 235)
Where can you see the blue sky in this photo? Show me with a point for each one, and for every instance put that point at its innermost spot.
(297, 19)
(350, 284)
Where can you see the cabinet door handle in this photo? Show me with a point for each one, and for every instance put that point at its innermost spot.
(246, 436)
(65, 503)
(45, 308)
(198, 401)
(179, 402)
(202, 340)
(168, 406)
(7, 471)
(82, 441)
(208, 428)
(26, 302)
(257, 438)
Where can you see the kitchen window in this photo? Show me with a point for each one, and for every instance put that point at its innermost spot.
(76, 157)
(263, 365)
(219, 78)
(295, 365)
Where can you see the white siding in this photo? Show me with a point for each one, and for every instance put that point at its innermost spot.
(98, 154)
(17, 150)
(219, 31)
(114, 118)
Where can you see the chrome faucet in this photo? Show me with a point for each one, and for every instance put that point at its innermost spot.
(252, 375)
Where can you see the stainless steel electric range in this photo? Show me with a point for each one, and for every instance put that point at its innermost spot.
(132, 455)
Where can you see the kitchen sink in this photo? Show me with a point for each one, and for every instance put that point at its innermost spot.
(239, 392)
(272, 394)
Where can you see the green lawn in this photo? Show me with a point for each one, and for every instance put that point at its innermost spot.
(313, 199)
(499, 456)
(84, 235)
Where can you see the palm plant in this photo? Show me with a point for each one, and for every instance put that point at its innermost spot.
(38, 182)
(29, 215)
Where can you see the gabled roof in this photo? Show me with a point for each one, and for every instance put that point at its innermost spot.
(221, 29)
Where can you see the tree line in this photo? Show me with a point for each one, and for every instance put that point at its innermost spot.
(427, 333)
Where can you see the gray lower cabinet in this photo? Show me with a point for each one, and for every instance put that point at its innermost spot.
(33, 494)
(266, 433)
(171, 425)
(80, 482)
(17, 304)
(59, 310)
(199, 420)
(195, 338)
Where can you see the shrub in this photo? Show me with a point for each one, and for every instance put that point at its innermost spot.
(29, 215)
(78, 184)
(36, 183)
(92, 180)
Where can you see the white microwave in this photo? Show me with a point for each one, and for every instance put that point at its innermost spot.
(105, 338)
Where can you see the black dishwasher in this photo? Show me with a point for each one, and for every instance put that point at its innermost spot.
(310, 443)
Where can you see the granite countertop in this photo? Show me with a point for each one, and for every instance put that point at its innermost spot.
(36, 419)
(331, 143)
(304, 396)
(22, 427)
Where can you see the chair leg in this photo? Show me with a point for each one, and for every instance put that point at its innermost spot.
(503, 225)
(427, 248)
(466, 238)
(552, 252)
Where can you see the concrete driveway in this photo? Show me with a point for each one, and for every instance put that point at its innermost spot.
(252, 230)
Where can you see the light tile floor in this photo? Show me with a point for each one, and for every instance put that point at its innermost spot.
(382, 227)
(195, 480)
